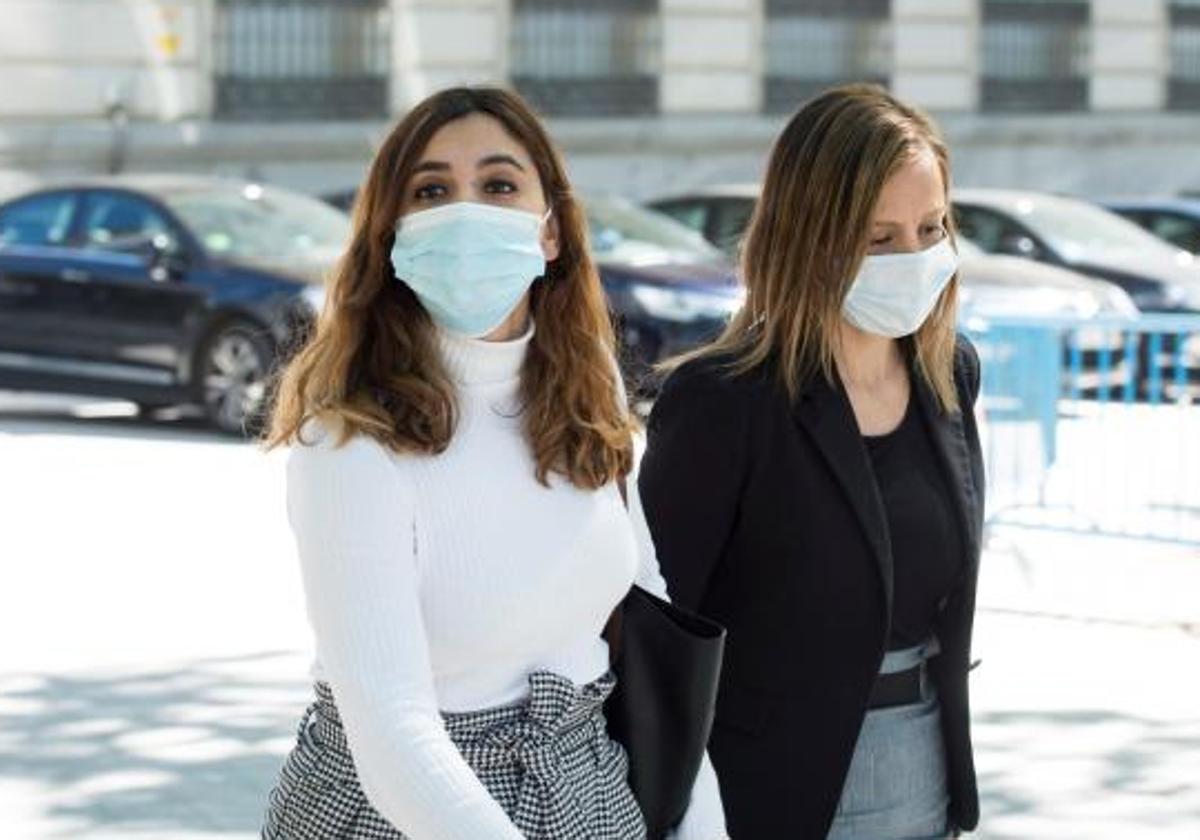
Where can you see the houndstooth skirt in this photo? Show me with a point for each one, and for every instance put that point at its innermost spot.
(548, 761)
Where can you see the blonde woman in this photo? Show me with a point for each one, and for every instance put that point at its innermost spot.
(813, 481)
(458, 433)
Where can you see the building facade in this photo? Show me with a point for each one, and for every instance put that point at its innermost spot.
(646, 96)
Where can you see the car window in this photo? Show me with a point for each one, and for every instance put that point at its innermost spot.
(123, 222)
(261, 224)
(730, 217)
(624, 231)
(983, 227)
(38, 220)
(694, 214)
(1076, 229)
(1177, 229)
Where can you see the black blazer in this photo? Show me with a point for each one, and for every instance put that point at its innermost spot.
(766, 517)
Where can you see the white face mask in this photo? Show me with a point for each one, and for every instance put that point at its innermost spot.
(893, 294)
(469, 264)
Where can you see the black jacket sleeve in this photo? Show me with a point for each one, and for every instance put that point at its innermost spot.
(692, 475)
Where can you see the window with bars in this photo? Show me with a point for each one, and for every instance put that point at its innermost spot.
(586, 58)
(815, 44)
(1183, 81)
(1036, 55)
(301, 59)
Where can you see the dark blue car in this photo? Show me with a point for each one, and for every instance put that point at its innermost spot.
(160, 289)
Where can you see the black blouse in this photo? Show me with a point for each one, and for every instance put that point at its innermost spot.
(926, 545)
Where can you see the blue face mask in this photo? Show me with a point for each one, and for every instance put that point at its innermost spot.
(469, 264)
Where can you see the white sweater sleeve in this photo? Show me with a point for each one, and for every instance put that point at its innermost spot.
(705, 816)
(352, 513)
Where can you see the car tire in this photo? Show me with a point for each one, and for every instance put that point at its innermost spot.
(233, 370)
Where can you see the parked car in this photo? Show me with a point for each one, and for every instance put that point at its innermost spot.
(720, 213)
(991, 284)
(999, 286)
(1076, 234)
(669, 289)
(161, 289)
(1174, 220)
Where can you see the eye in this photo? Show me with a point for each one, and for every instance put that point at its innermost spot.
(875, 243)
(429, 192)
(934, 230)
(499, 186)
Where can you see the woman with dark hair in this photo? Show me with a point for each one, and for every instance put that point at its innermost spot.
(458, 432)
(813, 481)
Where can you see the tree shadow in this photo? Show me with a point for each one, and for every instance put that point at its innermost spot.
(170, 751)
(1100, 753)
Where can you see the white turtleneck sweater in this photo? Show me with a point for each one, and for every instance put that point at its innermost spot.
(439, 583)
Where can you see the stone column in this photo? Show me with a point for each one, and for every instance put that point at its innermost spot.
(1130, 56)
(440, 43)
(937, 53)
(712, 56)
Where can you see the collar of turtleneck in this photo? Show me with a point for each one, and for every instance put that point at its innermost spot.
(473, 361)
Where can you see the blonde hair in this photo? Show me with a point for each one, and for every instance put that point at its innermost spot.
(809, 233)
(373, 365)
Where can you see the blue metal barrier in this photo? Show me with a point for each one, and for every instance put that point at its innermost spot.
(1093, 425)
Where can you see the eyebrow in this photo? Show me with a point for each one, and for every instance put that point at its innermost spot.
(883, 223)
(490, 160)
(499, 158)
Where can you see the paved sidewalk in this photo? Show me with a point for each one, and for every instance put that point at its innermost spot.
(156, 653)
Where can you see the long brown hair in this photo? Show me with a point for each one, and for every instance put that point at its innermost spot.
(809, 233)
(373, 364)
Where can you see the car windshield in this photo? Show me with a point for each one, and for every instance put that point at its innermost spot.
(622, 230)
(262, 224)
(1078, 230)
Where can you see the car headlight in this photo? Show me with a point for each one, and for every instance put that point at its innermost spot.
(314, 296)
(686, 305)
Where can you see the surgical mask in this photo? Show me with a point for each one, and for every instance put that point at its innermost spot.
(893, 294)
(469, 264)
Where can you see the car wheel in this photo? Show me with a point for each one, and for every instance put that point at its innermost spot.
(234, 368)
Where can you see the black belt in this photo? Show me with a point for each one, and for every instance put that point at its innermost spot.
(898, 689)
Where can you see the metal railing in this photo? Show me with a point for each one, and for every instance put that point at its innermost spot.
(302, 59)
(583, 58)
(1035, 55)
(812, 45)
(1094, 425)
(1183, 81)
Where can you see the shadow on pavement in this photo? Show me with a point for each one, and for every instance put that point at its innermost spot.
(170, 751)
(1033, 763)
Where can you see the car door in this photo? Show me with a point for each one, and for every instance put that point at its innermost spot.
(132, 259)
(34, 292)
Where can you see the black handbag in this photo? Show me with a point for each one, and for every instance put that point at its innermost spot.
(668, 664)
